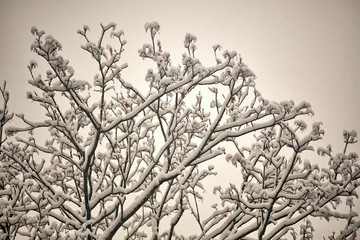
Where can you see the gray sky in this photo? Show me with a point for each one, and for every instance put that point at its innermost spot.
(300, 49)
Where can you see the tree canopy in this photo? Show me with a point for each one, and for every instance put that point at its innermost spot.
(115, 160)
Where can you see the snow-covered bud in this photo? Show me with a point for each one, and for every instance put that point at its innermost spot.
(33, 64)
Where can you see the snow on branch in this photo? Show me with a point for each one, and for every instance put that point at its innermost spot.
(117, 161)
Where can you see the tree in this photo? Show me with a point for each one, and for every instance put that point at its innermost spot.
(117, 161)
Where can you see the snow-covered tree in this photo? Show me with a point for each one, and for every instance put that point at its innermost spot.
(115, 160)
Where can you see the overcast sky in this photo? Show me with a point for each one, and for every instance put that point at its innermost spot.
(300, 50)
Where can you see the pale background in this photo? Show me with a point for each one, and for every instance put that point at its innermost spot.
(300, 50)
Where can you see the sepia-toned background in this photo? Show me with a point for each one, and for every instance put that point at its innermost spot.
(299, 50)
